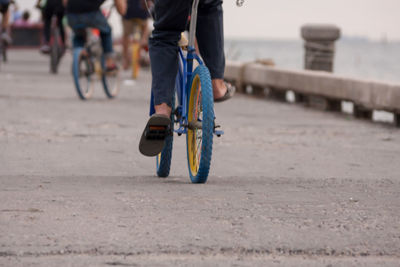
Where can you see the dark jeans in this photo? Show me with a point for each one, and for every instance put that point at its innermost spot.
(171, 18)
(48, 13)
(80, 21)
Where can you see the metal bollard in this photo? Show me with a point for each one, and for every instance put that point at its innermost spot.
(319, 55)
(320, 46)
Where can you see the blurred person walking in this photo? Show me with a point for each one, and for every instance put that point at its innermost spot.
(5, 18)
(134, 22)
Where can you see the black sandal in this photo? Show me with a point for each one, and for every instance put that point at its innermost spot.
(153, 138)
(230, 91)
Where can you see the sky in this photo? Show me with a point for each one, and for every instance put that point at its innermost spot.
(282, 19)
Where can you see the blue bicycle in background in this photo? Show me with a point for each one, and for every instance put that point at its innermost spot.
(88, 65)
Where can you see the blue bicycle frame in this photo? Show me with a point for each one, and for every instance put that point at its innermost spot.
(184, 76)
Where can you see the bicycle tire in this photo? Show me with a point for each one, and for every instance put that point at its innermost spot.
(200, 109)
(54, 59)
(4, 52)
(135, 60)
(84, 91)
(1, 53)
(163, 160)
(111, 82)
(55, 51)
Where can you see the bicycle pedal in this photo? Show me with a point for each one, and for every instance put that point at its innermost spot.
(155, 132)
(219, 132)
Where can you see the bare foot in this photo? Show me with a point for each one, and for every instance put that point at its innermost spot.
(163, 109)
(219, 88)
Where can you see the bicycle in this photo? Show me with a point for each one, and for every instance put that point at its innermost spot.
(89, 63)
(3, 50)
(56, 46)
(3, 54)
(194, 112)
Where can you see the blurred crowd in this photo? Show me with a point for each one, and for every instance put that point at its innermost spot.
(66, 14)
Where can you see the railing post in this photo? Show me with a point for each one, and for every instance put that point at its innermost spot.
(320, 46)
(319, 55)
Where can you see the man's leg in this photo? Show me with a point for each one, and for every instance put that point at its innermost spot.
(5, 12)
(60, 15)
(78, 26)
(210, 37)
(97, 20)
(4, 20)
(170, 20)
(47, 15)
(127, 31)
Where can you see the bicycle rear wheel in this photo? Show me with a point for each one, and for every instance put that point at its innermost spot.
(54, 59)
(55, 53)
(82, 70)
(1, 53)
(4, 51)
(163, 160)
(111, 81)
(200, 116)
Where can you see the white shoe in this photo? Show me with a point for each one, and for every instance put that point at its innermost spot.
(6, 38)
(45, 49)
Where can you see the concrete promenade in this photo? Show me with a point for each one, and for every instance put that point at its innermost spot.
(289, 186)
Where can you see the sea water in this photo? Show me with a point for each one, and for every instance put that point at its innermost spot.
(353, 58)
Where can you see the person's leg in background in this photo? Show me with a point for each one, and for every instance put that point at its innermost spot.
(144, 33)
(60, 16)
(5, 12)
(79, 28)
(95, 20)
(210, 38)
(127, 25)
(47, 15)
(99, 21)
(170, 20)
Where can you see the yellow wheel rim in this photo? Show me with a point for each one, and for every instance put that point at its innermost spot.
(194, 136)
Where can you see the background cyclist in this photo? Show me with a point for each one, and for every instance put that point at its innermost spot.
(5, 17)
(51, 8)
(82, 14)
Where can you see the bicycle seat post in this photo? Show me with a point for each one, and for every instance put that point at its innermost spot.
(193, 23)
(192, 35)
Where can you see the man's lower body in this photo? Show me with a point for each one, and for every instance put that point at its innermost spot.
(133, 26)
(5, 17)
(80, 21)
(171, 18)
(48, 13)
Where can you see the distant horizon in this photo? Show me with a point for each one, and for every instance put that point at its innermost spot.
(265, 20)
(348, 38)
